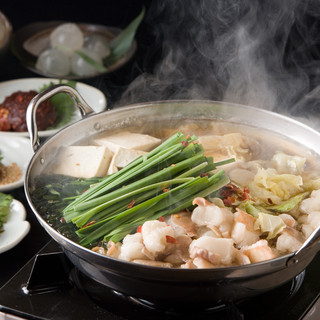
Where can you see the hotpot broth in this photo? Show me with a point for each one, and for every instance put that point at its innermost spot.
(264, 144)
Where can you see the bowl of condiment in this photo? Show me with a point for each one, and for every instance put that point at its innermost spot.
(15, 154)
(15, 96)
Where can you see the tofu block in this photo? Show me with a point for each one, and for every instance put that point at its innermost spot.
(128, 140)
(83, 161)
(123, 157)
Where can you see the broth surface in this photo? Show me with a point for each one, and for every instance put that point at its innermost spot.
(266, 210)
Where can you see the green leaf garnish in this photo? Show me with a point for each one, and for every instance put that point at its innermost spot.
(122, 43)
(62, 102)
(118, 45)
(91, 61)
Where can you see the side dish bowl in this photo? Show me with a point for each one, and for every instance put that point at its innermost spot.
(94, 96)
(16, 228)
(15, 150)
(30, 40)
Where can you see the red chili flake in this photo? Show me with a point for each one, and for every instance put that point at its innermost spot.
(63, 220)
(270, 201)
(234, 192)
(204, 175)
(131, 204)
(139, 229)
(246, 190)
(245, 195)
(227, 202)
(172, 165)
(89, 224)
(161, 219)
(185, 143)
(166, 190)
(171, 239)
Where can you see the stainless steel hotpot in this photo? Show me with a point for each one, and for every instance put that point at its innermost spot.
(165, 286)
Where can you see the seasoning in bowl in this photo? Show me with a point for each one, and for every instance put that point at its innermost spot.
(10, 173)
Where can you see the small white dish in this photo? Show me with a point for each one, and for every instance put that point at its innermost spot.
(93, 96)
(16, 228)
(17, 150)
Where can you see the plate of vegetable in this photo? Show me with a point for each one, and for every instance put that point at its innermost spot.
(13, 224)
(15, 96)
(75, 50)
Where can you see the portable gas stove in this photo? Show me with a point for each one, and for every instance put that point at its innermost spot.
(48, 287)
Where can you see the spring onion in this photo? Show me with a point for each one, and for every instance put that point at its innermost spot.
(163, 181)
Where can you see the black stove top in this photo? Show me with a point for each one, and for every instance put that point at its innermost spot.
(48, 287)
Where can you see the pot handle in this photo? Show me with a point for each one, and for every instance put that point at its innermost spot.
(310, 245)
(84, 108)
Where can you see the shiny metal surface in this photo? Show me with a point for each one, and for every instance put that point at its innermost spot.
(203, 286)
(314, 312)
(84, 108)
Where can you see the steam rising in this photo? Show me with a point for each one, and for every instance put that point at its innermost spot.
(259, 53)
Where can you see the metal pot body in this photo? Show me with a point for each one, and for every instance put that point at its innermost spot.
(176, 286)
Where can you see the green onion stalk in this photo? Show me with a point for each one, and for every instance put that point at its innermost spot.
(162, 182)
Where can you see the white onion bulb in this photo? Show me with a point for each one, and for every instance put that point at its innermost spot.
(67, 35)
(53, 61)
(98, 44)
(80, 67)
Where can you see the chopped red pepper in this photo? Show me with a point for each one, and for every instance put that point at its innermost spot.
(161, 219)
(185, 143)
(88, 224)
(131, 204)
(171, 239)
(227, 202)
(166, 190)
(204, 174)
(139, 229)
(232, 193)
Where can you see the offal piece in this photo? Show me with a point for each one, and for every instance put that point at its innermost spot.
(13, 112)
(231, 238)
